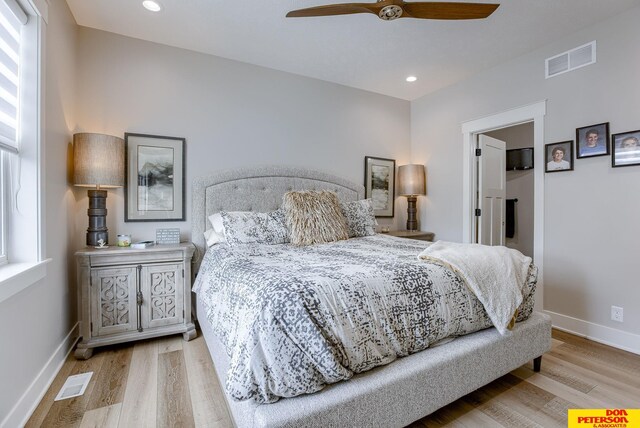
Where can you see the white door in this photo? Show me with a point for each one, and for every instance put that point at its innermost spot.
(492, 183)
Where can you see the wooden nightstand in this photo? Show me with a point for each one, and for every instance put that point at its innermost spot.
(413, 234)
(127, 294)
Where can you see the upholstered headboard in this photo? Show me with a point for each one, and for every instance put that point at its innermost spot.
(256, 189)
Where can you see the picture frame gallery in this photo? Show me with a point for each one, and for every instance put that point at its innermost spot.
(155, 178)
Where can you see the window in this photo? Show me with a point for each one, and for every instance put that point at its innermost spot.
(12, 18)
(22, 32)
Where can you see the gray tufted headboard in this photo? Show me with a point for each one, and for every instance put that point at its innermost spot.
(256, 189)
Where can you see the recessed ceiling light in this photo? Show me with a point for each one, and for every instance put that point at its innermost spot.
(411, 79)
(151, 5)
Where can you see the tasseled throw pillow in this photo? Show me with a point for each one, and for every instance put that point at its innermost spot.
(314, 217)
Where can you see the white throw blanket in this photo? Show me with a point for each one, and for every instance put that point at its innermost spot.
(496, 275)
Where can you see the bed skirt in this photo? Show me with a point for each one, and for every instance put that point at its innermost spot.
(402, 392)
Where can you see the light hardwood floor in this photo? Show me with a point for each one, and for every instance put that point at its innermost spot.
(170, 383)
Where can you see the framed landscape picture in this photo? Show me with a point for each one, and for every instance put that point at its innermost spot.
(379, 184)
(155, 171)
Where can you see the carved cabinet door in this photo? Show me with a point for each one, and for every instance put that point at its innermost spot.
(163, 291)
(113, 300)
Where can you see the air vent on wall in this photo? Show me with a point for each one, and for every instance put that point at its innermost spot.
(571, 60)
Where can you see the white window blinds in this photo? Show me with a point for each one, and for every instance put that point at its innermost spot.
(12, 18)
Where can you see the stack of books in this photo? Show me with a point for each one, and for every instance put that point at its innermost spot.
(142, 244)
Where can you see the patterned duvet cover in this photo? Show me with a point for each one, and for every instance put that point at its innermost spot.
(295, 319)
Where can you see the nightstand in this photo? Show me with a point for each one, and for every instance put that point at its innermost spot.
(413, 234)
(127, 294)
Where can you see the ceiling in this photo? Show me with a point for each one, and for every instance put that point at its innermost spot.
(361, 50)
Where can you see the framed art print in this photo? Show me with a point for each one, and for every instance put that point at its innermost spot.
(625, 149)
(558, 156)
(379, 184)
(155, 172)
(592, 140)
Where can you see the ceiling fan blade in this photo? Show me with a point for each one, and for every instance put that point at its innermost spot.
(447, 10)
(335, 9)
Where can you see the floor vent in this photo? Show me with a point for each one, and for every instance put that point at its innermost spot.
(571, 60)
(74, 386)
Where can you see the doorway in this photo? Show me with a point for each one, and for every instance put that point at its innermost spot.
(519, 195)
(530, 113)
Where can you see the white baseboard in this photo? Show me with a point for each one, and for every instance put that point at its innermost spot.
(596, 332)
(26, 405)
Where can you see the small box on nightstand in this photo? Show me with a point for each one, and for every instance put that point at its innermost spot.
(168, 236)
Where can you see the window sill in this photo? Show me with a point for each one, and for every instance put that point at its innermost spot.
(15, 277)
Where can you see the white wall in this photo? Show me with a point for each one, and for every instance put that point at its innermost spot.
(231, 114)
(520, 187)
(35, 322)
(591, 228)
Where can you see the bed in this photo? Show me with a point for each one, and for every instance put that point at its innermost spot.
(396, 394)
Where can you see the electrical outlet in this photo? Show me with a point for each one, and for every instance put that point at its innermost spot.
(617, 313)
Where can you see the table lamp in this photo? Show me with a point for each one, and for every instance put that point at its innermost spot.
(98, 163)
(411, 183)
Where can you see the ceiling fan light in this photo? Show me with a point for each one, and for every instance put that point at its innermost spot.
(391, 12)
(411, 79)
(151, 5)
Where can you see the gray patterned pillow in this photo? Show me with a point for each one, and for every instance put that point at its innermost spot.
(255, 228)
(314, 217)
(361, 221)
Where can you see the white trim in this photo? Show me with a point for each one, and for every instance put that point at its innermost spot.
(17, 11)
(40, 7)
(3, 209)
(533, 112)
(40, 120)
(598, 333)
(26, 405)
(15, 277)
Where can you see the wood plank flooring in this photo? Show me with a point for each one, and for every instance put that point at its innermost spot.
(170, 383)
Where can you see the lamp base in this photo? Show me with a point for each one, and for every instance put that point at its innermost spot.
(97, 212)
(412, 220)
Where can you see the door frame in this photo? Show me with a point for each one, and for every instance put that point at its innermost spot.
(529, 113)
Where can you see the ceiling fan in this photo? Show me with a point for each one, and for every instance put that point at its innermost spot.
(394, 9)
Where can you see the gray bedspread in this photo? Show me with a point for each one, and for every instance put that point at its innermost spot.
(294, 319)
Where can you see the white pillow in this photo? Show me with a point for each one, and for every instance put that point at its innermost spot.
(216, 235)
(212, 237)
(216, 222)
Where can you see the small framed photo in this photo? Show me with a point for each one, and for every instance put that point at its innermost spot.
(380, 184)
(625, 149)
(558, 156)
(592, 140)
(155, 172)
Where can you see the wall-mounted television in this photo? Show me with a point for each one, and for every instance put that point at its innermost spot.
(519, 159)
